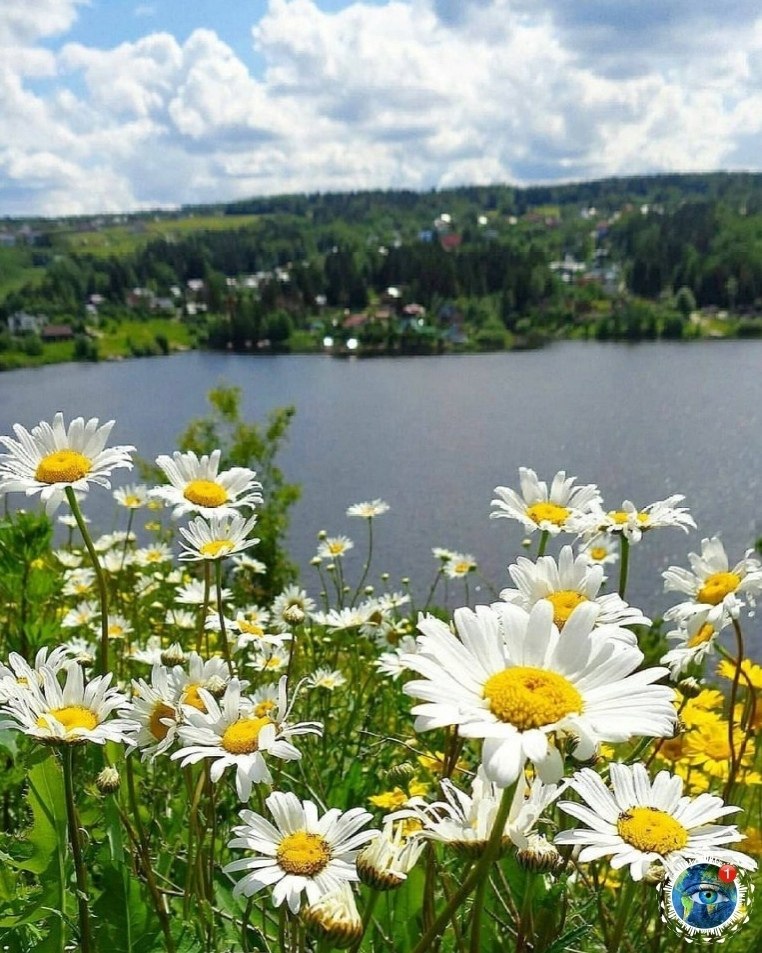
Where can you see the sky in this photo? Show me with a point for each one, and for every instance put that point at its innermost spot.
(120, 105)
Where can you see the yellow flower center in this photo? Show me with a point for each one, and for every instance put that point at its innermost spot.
(717, 586)
(548, 512)
(216, 548)
(242, 737)
(530, 697)
(336, 548)
(155, 726)
(132, 501)
(598, 553)
(193, 698)
(62, 466)
(620, 517)
(72, 716)
(115, 630)
(250, 628)
(205, 493)
(703, 635)
(303, 854)
(564, 602)
(462, 568)
(651, 830)
(264, 708)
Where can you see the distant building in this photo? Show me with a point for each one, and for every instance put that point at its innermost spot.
(57, 332)
(23, 323)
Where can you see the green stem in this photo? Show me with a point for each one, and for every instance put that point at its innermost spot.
(102, 589)
(223, 633)
(85, 935)
(479, 871)
(624, 565)
(366, 567)
(623, 914)
(434, 585)
(204, 609)
(544, 537)
(367, 917)
(735, 757)
(126, 538)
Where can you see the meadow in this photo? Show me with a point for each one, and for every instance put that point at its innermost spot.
(201, 754)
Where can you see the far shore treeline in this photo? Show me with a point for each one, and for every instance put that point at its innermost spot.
(385, 272)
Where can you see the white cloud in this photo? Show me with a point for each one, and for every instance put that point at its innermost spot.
(413, 93)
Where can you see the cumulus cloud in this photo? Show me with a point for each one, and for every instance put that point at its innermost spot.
(411, 93)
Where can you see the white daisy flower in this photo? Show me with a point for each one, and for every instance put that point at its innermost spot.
(567, 584)
(600, 550)
(192, 594)
(393, 664)
(713, 587)
(514, 681)
(250, 633)
(633, 522)
(180, 619)
(334, 547)
(218, 537)
(156, 713)
(638, 822)
(116, 560)
(242, 562)
(233, 736)
(265, 700)
(153, 555)
(133, 496)
(270, 658)
(696, 639)
(196, 486)
(81, 650)
(19, 674)
(386, 861)
(326, 678)
(118, 627)
(83, 614)
(78, 582)
(459, 565)
(465, 821)
(368, 510)
(76, 713)
(442, 554)
(334, 917)
(54, 457)
(212, 675)
(301, 853)
(337, 620)
(151, 652)
(68, 558)
(291, 607)
(551, 510)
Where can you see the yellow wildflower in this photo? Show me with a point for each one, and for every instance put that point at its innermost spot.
(753, 672)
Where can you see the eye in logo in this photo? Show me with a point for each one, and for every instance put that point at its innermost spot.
(706, 899)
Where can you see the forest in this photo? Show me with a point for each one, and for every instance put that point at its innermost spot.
(475, 268)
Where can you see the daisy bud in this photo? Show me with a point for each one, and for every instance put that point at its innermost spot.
(689, 686)
(384, 577)
(401, 772)
(526, 542)
(293, 614)
(322, 534)
(216, 686)
(540, 856)
(315, 561)
(368, 590)
(654, 875)
(334, 918)
(386, 861)
(330, 567)
(405, 580)
(107, 781)
(174, 655)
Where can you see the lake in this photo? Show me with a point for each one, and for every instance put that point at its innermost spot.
(433, 436)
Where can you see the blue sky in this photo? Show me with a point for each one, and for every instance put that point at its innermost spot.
(113, 105)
